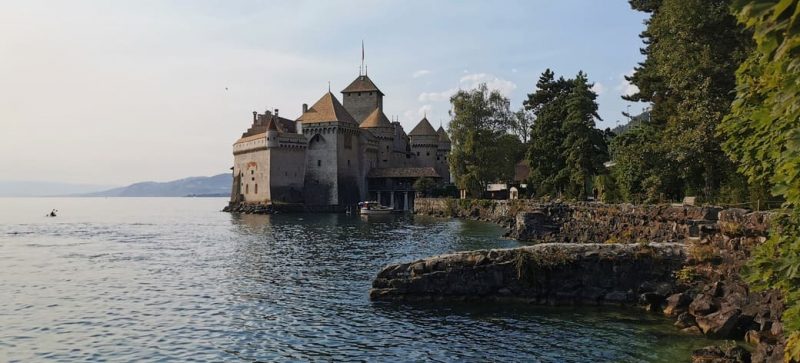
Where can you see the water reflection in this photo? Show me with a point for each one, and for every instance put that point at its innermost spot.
(190, 283)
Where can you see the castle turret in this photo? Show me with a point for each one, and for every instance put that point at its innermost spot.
(332, 167)
(272, 134)
(424, 143)
(362, 97)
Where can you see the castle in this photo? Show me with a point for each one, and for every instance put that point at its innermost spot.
(337, 154)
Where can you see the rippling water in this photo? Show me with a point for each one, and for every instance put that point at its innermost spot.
(174, 279)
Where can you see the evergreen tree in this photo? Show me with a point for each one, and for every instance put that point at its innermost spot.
(566, 150)
(693, 48)
(584, 146)
(545, 154)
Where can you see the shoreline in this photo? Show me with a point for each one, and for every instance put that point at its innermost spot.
(703, 291)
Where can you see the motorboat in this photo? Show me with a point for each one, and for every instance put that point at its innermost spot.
(373, 207)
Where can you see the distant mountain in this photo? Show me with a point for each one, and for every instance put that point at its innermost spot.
(198, 186)
(30, 188)
(635, 120)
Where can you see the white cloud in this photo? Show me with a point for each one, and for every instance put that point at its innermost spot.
(420, 73)
(624, 87)
(493, 83)
(437, 96)
(424, 110)
(599, 88)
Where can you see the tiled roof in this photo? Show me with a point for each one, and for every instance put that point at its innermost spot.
(442, 135)
(403, 173)
(261, 123)
(362, 84)
(423, 128)
(376, 119)
(271, 125)
(327, 109)
(251, 138)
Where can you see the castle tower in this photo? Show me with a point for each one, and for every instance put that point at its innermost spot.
(272, 134)
(333, 174)
(424, 143)
(362, 97)
(380, 126)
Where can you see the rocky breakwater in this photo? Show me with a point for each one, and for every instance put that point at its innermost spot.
(556, 273)
(249, 208)
(705, 295)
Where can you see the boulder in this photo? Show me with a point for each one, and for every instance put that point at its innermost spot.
(685, 320)
(677, 304)
(701, 305)
(714, 354)
(720, 324)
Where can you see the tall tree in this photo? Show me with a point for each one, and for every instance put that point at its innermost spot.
(545, 154)
(584, 146)
(693, 48)
(521, 123)
(479, 122)
(763, 135)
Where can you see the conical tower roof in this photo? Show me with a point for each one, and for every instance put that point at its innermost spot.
(442, 135)
(271, 126)
(423, 128)
(376, 119)
(362, 84)
(327, 109)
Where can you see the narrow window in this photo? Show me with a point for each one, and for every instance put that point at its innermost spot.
(251, 172)
(348, 162)
(319, 162)
(256, 191)
(247, 189)
(417, 153)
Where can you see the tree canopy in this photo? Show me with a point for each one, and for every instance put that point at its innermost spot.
(566, 150)
(692, 50)
(482, 150)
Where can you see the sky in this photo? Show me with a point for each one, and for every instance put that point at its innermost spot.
(116, 92)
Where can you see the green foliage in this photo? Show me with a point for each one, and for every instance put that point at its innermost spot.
(687, 275)
(693, 48)
(607, 189)
(566, 150)
(642, 170)
(763, 135)
(482, 151)
(528, 263)
(585, 149)
(424, 186)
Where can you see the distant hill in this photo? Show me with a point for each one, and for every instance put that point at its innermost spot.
(198, 186)
(635, 120)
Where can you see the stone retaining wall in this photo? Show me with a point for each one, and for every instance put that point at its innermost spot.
(557, 273)
(601, 246)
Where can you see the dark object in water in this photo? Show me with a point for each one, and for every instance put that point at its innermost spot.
(52, 213)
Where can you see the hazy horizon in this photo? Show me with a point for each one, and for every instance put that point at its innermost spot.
(113, 93)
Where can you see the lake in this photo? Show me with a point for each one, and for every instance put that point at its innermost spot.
(175, 279)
